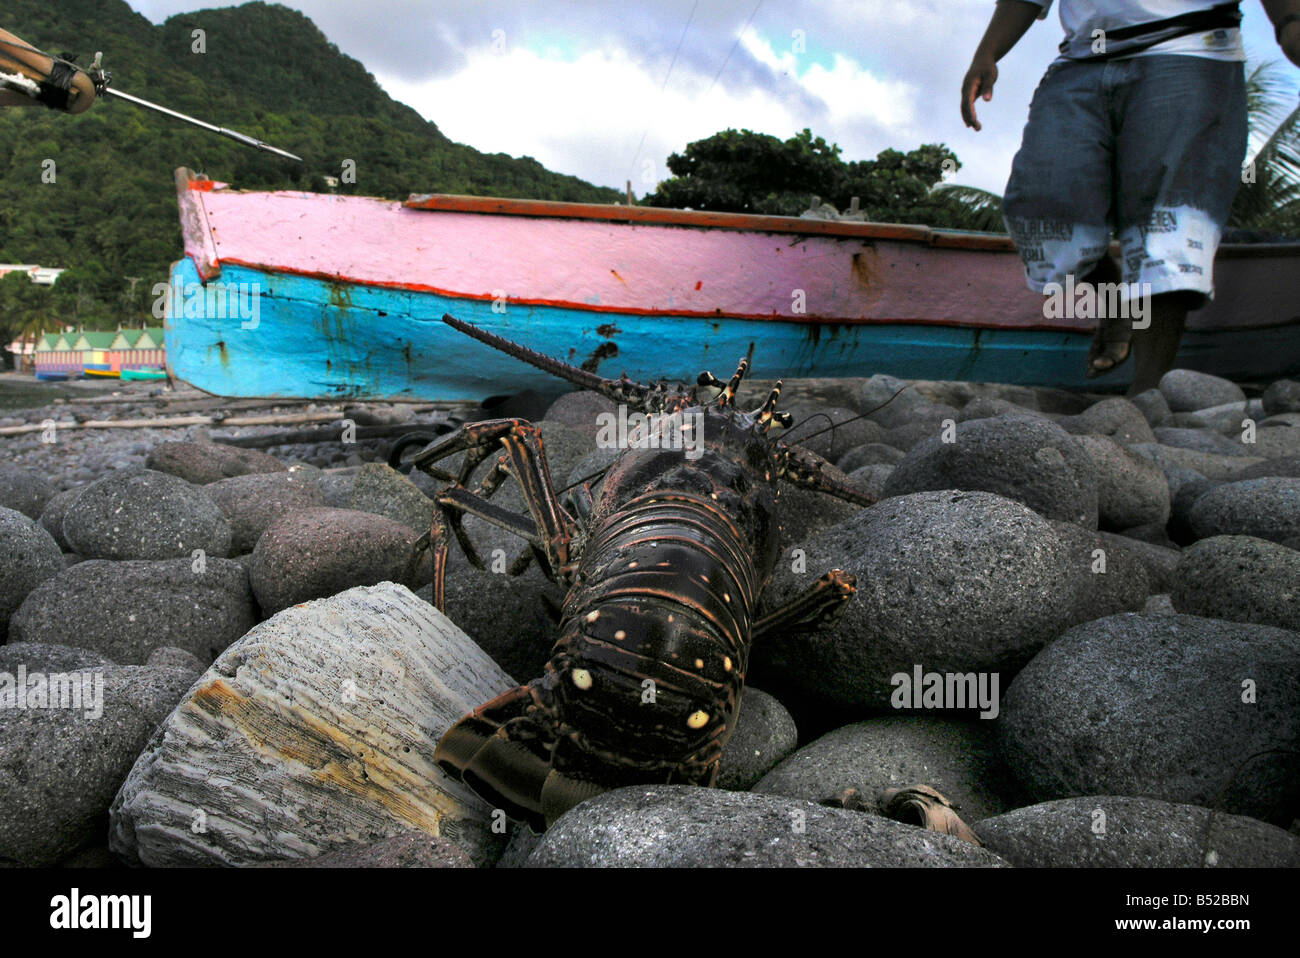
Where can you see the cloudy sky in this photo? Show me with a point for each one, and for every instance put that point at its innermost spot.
(606, 91)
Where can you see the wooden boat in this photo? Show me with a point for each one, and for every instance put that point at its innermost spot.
(101, 371)
(143, 374)
(52, 377)
(308, 295)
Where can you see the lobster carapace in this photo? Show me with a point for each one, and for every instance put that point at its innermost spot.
(664, 566)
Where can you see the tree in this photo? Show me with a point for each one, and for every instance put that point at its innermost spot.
(741, 171)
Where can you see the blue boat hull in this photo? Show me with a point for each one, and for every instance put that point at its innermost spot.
(302, 337)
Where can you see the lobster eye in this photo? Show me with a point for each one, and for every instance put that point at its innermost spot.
(698, 719)
(581, 678)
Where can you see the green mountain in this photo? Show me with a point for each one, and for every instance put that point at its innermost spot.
(267, 71)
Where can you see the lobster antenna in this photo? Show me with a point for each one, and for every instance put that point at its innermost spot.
(620, 390)
(836, 425)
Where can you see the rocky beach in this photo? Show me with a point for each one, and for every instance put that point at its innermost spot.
(260, 678)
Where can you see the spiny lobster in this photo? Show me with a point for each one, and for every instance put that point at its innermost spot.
(664, 569)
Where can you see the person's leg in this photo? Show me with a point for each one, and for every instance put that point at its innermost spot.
(1181, 142)
(1110, 341)
(1156, 347)
(1058, 201)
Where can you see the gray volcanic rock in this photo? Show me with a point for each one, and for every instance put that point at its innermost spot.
(1241, 579)
(313, 732)
(52, 515)
(28, 556)
(23, 491)
(953, 581)
(987, 407)
(252, 502)
(380, 489)
(891, 407)
(1209, 464)
(872, 479)
(61, 766)
(581, 411)
(959, 759)
(1285, 466)
(872, 454)
(145, 515)
(1267, 508)
(1109, 574)
(49, 658)
(1131, 490)
(1282, 396)
(911, 434)
(1152, 405)
(337, 487)
(803, 513)
(764, 735)
(1115, 417)
(1163, 706)
(314, 553)
(1029, 460)
(1187, 390)
(1185, 486)
(505, 615)
(1159, 560)
(204, 462)
(828, 432)
(682, 826)
(1276, 440)
(126, 610)
(1202, 440)
(1106, 831)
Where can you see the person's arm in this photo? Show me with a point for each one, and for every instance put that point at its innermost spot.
(1011, 18)
(19, 57)
(1285, 15)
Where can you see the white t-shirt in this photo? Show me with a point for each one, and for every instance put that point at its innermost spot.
(1081, 17)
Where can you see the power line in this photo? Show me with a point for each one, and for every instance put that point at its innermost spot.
(718, 75)
(664, 85)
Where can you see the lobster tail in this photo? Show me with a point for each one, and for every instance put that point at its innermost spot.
(622, 390)
(512, 774)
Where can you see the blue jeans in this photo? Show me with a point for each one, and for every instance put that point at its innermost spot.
(1148, 149)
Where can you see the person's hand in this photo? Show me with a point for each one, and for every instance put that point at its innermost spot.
(981, 76)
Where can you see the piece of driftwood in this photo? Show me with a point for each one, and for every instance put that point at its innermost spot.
(320, 434)
(176, 422)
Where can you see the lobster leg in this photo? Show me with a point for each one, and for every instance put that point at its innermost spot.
(800, 467)
(818, 606)
(551, 529)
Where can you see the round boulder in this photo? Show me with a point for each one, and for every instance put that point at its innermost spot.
(313, 553)
(28, 556)
(252, 502)
(23, 491)
(204, 462)
(1187, 390)
(1131, 490)
(959, 759)
(140, 514)
(1267, 508)
(1241, 579)
(682, 826)
(1164, 706)
(1027, 459)
(126, 610)
(951, 581)
(1106, 831)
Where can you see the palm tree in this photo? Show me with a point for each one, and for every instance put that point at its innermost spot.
(1268, 201)
(1269, 197)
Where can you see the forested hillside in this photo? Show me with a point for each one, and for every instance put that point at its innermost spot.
(267, 71)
